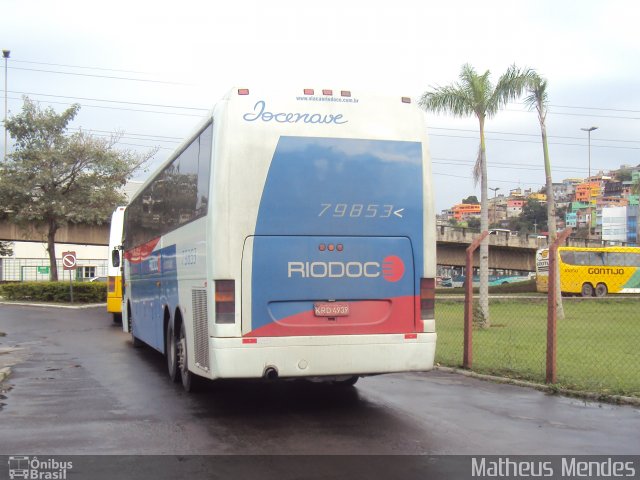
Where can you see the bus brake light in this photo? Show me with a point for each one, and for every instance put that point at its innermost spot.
(243, 91)
(225, 301)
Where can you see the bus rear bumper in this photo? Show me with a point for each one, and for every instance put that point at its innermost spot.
(114, 304)
(321, 356)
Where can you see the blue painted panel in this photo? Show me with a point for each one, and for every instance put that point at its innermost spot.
(293, 269)
(306, 174)
(154, 282)
(365, 194)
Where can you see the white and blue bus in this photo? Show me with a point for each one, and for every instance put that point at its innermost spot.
(292, 235)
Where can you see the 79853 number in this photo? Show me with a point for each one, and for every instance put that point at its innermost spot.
(355, 210)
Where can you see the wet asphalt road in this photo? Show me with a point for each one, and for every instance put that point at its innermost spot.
(81, 388)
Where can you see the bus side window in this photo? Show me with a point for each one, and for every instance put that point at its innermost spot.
(567, 257)
(596, 258)
(632, 259)
(614, 259)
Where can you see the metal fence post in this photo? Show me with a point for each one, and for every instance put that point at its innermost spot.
(467, 356)
(552, 307)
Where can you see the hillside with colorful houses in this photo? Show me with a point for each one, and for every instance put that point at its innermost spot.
(603, 206)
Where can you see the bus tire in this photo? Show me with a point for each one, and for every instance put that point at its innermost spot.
(172, 356)
(136, 342)
(189, 380)
(601, 290)
(349, 382)
(587, 290)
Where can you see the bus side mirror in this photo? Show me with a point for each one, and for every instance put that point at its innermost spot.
(115, 257)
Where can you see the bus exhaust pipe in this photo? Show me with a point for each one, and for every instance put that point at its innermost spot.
(270, 373)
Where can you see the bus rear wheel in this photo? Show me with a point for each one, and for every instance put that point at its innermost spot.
(347, 382)
(587, 290)
(172, 356)
(189, 382)
(601, 290)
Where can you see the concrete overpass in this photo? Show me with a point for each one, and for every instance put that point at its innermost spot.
(73, 233)
(505, 251)
(512, 252)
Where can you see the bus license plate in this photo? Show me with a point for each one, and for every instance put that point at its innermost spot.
(331, 309)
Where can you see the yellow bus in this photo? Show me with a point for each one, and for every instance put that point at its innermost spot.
(592, 271)
(114, 274)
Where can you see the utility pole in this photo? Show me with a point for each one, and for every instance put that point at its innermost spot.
(589, 130)
(494, 190)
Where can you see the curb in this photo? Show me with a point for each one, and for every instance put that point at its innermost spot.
(55, 305)
(596, 397)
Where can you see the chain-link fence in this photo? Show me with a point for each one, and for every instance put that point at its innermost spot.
(598, 326)
(37, 269)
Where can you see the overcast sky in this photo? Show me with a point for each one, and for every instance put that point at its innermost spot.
(153, 68)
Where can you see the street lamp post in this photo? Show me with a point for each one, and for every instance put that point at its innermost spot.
(494, 190)
(5, 54)
(589, 130)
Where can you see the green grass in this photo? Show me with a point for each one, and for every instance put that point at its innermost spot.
(598, 342)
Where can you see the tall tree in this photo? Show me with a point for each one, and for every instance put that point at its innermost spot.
(476, 95)
(53, 178)
(538, 99)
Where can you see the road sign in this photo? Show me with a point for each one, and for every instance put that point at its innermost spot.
(43, 270)
(69, 260)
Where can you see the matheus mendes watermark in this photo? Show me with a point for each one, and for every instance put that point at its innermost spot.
(552, 467)
(34, 468)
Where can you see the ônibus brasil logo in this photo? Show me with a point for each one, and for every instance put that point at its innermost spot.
(391, 269)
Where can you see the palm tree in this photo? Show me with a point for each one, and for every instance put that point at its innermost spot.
(538, 99)
(475, 95)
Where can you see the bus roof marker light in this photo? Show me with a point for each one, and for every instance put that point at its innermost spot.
(345, 93)
(322, 247)
(331, 247)
(308, 91)
(243, 91)
(339, 247)
(327, 92)
(406, 100)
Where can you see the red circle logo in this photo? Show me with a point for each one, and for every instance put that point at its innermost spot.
(392, 268)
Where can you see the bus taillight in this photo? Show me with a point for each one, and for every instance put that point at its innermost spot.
(225, 301)
(427, 298)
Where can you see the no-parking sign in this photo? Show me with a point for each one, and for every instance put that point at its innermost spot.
(69, 260)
